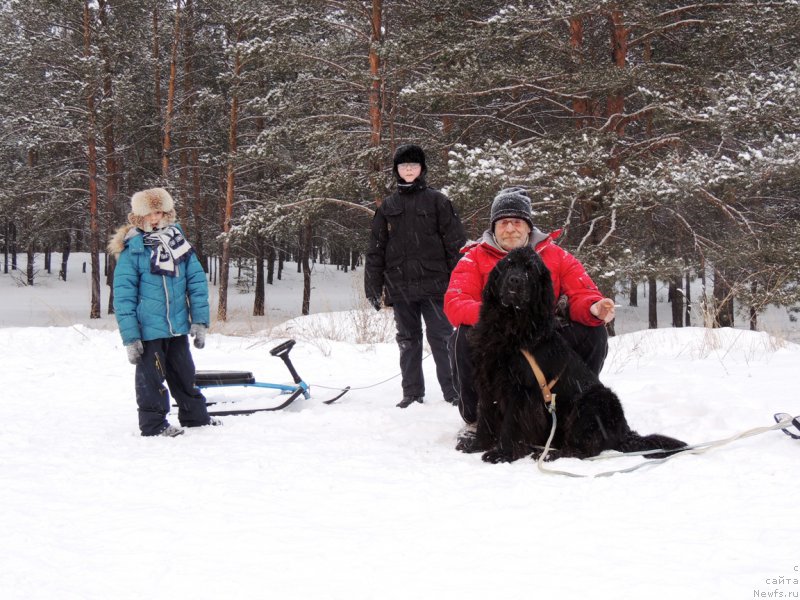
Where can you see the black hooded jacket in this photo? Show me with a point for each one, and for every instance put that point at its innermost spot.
(414, 243)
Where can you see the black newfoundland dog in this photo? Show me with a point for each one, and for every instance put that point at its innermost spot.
(518, 313)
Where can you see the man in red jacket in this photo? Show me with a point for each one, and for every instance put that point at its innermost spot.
(511, 226)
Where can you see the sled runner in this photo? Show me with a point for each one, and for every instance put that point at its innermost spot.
(228, 379)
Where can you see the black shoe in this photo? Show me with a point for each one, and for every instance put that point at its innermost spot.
(453, 400)
(408, 401)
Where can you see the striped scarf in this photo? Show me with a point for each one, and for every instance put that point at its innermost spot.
(168, 249)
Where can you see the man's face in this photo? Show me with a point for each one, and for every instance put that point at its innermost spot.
(409, 171)
(511, 233)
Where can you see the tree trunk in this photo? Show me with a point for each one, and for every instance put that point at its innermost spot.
(753, 311)
(580, 106)
(6, 244)
(633, 298)
(62, 273)
(13, 245)
(112, 166)
(222, 311)
(173, 69)
(157, 74)
(31, 247)
(375, 109)
(616, 98)
(723, 301)
(258, 304)
(109, 142)
(704, 310)
(676, 300)
(688, 294)
(111, 267)
(270, 262)
(305, 254)
(189, 93)
(222, 308)
(31, 255)
(619, 52)
(652, 312)
(94, 245)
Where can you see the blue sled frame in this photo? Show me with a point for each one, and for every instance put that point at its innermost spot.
(217, 379)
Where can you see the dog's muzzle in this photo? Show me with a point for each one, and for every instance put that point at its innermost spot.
(514, 289)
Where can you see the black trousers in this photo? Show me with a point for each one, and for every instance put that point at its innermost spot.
(408, 319)
(168, 359)
(591, 344)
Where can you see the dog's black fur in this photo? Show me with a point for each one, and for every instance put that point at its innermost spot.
(518, 312)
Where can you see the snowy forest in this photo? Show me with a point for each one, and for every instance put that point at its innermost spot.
(661, 136)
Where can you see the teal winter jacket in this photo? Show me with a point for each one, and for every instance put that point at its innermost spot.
(148, 306)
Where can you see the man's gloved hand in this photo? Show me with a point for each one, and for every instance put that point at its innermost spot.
(375, 301)
(198, 332)
(135, 351)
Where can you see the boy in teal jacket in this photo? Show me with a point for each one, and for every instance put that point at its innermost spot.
(160, 297)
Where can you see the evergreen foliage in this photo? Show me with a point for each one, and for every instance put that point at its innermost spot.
(661, 137)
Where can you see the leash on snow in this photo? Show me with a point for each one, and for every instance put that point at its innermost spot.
(366, 387)
(784, 421)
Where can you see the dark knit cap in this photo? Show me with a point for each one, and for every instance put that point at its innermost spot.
(511, 203)
(409, 153)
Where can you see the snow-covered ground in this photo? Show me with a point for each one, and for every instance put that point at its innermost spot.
(361, 500)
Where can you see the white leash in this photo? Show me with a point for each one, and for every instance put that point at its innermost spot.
(694, 449)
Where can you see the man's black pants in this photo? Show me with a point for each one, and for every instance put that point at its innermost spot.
(408, 318)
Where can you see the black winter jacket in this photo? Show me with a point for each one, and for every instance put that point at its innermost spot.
(414, 245)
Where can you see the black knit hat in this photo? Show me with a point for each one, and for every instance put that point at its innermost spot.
(511, 203)
(409, 153)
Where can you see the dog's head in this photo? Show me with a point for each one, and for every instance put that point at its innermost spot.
(521, 282)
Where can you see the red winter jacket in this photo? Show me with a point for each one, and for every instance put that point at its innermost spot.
(462, 301)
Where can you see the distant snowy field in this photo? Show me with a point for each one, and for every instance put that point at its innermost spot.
(361, 500)
(54, 302)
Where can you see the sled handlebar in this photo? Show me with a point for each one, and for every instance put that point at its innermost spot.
(282, 352)
(283, 348)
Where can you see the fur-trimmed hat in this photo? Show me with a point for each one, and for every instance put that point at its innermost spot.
(147, 201)
(511, 203)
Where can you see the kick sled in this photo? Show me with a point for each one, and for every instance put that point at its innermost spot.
(236, 379)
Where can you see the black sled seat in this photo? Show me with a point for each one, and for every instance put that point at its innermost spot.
(221, 378)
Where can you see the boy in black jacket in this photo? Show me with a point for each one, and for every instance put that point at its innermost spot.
(414, 244)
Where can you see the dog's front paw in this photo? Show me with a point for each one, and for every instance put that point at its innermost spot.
(495, 456)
